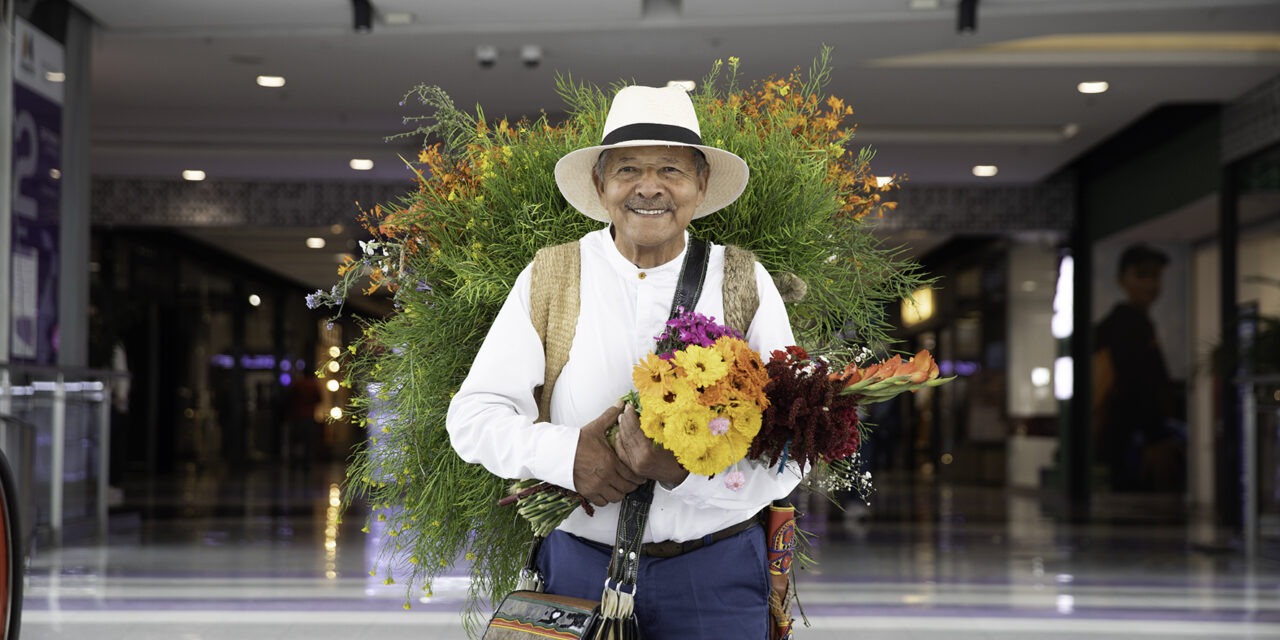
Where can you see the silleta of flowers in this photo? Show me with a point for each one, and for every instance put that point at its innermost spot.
(483, 199)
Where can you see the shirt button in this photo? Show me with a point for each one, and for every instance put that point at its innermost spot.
(642, 275)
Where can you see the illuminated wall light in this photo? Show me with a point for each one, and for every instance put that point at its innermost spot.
(336, 413)
(254, 299)
(1062, 324)
(1093, 87)
(194, 175)
(1062, 378)
(334, 352)
(334, 366)
(1066, 603)
(985, 170)
(332, 385)
(918, 308)
(361, 164)
(271, 82)
(55, 76)
(315, 242)
(331, 516)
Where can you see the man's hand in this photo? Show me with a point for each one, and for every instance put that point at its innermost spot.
(640, 453)
(598, 474)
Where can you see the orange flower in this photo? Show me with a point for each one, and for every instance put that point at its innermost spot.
(921, 367)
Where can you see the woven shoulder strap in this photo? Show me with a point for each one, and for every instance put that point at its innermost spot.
(554, 300)
(741, 298)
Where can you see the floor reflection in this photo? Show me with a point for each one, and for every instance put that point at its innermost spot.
(214, 553)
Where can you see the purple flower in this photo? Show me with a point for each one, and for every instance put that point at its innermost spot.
(423, 286)
(690, 328)
(314, 300)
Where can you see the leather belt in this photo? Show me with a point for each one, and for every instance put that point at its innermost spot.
(671, 549)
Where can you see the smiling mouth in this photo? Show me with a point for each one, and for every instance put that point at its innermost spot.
(648, 212)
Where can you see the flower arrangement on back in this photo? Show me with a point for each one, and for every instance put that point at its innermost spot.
(486, 200)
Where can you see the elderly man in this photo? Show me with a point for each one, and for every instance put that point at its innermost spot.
(702, 572)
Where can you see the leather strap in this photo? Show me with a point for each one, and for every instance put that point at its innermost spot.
(624, 565)
(634, 514)
(671, 549)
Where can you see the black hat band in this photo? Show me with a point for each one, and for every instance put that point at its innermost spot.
(652, 131)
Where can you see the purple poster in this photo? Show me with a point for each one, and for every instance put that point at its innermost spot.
(37, 162)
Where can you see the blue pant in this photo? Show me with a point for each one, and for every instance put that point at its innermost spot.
(717, 592)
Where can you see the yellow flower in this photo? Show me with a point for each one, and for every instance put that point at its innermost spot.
(653, 377)
(687, 435)
(702, 366)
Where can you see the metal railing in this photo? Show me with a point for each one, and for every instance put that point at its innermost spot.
(56, 405)
(1260, 450)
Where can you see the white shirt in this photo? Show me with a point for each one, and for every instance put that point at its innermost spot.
(624, 308)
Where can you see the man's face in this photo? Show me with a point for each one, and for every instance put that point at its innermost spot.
(650, 194)
(1141, 282)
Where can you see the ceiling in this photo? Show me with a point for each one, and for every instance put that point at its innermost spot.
(173, 80)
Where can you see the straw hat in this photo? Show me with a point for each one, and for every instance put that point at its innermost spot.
(644, 117)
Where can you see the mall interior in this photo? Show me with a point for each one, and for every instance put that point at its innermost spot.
(185, 173)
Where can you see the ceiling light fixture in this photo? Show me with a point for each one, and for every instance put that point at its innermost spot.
(362, 11)
(486, 56)
(194, 175)
(255, 299)
(315, 242)
(1093, 87)
(967, 16)
(985, 170)
(271, 82)
(361, 164)
(531, 55)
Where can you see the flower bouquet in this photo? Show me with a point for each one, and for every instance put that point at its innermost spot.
(700, 394)
(707, 397)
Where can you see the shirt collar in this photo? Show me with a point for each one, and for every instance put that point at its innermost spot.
(622, 265)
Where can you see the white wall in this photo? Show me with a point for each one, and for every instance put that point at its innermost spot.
(1033, 276)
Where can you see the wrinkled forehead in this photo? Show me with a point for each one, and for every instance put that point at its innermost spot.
(670, 155)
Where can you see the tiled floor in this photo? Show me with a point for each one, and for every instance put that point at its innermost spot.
(223, 556)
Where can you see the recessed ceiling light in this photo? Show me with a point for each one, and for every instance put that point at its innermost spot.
(687, 85)
(273, 82)
(1093, 87)
(315, 242)
(254, 299)
(361, 164)
(984, 170)
(396, 18)
(194, 175)
(55, 76)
